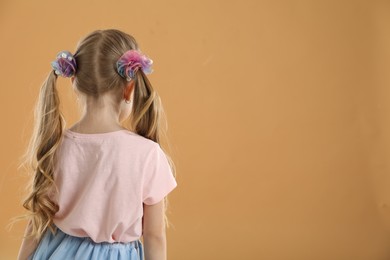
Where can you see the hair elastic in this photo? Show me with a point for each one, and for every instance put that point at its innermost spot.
(128, 64)
(65, 64)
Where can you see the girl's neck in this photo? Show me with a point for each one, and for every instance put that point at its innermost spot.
(99, 116)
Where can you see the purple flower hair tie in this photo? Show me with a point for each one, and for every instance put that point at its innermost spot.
(65, 64)
(128, 64)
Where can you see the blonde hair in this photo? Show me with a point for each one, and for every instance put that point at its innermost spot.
(96, 57)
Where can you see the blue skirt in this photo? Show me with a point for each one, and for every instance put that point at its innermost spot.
(64, 246)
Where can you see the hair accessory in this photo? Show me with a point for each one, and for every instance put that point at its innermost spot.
(65, 64)
(128, 64)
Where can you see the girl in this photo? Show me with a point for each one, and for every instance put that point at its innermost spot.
(98, 187)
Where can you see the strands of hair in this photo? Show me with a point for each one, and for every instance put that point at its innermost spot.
(96, 56)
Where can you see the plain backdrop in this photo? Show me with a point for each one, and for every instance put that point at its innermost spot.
(278, 115)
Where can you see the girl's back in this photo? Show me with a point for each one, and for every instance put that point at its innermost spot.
(104, 179)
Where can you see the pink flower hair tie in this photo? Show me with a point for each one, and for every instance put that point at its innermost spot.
(129, 63)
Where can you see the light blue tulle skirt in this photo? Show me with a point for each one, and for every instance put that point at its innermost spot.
(64, 246)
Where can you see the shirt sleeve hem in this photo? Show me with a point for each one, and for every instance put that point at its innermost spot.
(159, 197)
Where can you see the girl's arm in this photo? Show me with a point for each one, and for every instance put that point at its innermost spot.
(28, 244)
(154, 236)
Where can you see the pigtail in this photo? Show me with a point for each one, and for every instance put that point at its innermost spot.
(146, 113)
(148, 118)
(39, 157)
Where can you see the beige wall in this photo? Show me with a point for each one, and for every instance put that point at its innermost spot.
(279, 118)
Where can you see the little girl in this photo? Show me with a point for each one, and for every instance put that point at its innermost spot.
(98, 187)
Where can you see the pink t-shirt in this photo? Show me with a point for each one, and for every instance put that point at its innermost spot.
(103, 181)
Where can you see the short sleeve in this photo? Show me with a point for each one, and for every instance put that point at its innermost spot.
(158, 179)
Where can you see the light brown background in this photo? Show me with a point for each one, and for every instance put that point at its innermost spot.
(279, 118)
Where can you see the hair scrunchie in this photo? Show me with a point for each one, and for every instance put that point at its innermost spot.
(128, 64)
(65, 64)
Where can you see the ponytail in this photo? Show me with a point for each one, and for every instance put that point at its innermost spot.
(39, 157)
(146, 115)
(148, 118)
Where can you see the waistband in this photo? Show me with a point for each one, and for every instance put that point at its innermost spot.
(136, 243)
